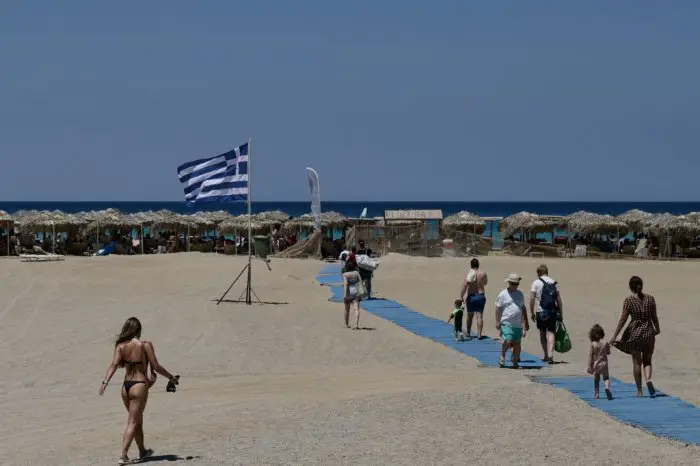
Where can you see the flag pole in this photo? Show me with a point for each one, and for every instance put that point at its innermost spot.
(248, 297)
(249, 293)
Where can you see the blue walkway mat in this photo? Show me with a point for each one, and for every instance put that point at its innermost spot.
(330, 269)
(663, 415)
(485, 351)
(334, 279)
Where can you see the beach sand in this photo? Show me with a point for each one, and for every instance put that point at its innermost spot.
(288, 384)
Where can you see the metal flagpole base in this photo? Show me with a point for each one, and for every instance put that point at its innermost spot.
(248, 293)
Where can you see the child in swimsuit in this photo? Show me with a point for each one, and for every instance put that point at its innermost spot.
(598, 361)
(457, 315)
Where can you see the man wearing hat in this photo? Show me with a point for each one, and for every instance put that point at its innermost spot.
(511, 319)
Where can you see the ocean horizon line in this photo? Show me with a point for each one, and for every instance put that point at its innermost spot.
(335, 201)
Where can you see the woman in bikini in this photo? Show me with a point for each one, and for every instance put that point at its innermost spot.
(135, 356)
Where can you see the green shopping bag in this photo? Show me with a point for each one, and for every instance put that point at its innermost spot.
(562, 342)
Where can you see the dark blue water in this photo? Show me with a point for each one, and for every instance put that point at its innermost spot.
(374, 209)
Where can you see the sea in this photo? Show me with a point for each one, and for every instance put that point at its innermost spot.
(374, 209)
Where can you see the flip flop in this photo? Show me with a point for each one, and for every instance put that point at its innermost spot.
(608, 394)
(124, 461)
(147, 454)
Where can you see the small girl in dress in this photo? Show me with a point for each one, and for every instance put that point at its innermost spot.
(598, 361)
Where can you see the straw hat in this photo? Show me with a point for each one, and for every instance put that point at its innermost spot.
(513, 278)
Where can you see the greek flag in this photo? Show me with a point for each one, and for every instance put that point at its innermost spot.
(219, 179)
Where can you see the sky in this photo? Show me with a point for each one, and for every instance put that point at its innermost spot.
(410, 100)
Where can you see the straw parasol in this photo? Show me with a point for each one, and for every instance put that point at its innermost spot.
(215, 216)
(240, 223)
(275, 217)
(635, 219)
(463, 218)
(529, 222)
(589, 223)
(306, 222)
(672, 225)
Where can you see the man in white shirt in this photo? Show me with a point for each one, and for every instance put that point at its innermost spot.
(511, 319)
(546, 309)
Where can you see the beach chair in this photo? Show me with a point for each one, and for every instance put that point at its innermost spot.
(41, 256)
(581, 250)
(642, 251)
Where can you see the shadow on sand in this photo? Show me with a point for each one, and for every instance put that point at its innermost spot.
(169, 458)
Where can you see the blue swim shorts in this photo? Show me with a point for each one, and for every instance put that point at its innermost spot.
(476, 302)
(512, 334)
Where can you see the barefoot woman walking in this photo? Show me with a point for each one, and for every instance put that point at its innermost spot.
(134, 355)
(639, 337)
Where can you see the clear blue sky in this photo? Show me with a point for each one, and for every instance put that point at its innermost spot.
(388, 100)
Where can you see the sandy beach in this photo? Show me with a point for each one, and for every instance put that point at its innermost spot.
(288, 384)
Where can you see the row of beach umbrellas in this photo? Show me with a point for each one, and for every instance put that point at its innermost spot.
(580, 222)
(584, 223)
(35, 220)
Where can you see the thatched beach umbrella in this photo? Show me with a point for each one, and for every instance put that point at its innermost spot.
(333, 220)
(520, 222)
(465, 221)
(240, 223)
(306, 222)
(590, 223)
(635, 219)
(216, 217)
(672, 225)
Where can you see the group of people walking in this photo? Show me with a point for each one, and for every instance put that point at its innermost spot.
(545, 306)
(546, 309)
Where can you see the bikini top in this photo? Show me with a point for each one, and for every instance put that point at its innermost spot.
(133, 363)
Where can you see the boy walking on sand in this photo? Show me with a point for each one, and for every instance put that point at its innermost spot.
(457, 315)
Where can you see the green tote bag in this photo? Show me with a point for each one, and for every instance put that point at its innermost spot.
(562, 342)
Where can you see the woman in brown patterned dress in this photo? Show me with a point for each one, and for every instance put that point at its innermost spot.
(640, 335)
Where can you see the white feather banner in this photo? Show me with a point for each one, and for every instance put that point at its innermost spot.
(315, 187)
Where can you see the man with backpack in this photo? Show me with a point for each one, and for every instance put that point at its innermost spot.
(546, 310)
(365, 274)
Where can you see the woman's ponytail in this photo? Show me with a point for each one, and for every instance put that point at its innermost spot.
(636, 286)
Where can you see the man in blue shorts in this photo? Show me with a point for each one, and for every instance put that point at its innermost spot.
(474, 295)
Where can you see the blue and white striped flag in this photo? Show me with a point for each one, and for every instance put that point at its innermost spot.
(219, 179)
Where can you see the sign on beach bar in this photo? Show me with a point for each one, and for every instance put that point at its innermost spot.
(411, 215)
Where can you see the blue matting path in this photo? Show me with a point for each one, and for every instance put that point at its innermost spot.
(331, 269)
(663, 415)
(486, 351)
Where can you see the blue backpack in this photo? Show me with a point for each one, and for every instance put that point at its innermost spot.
(548, 299)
